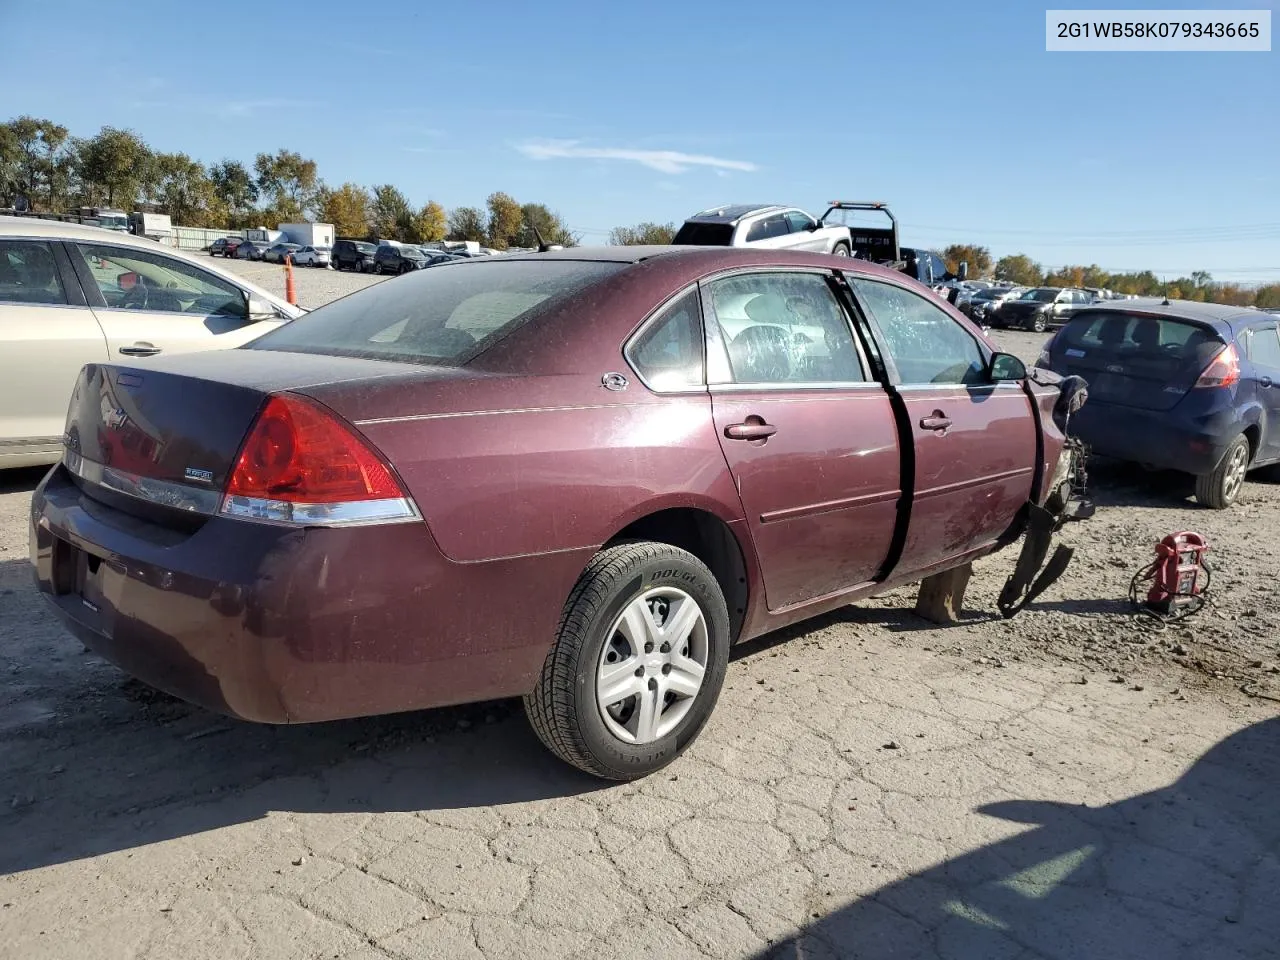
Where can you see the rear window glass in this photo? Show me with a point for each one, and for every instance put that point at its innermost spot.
(705, 234)
(1132, 336)
(446, 316)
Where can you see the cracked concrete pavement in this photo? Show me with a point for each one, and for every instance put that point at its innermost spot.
(859, 792)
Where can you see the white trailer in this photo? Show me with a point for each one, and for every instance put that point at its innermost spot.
(309, 234)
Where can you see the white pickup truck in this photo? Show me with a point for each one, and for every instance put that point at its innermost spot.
(767, 226)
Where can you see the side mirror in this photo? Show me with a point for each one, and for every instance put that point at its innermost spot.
(256, 309)
(1003, 367)
(962, 272)
(815, 225)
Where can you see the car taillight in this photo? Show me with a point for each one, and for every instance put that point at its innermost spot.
(301, 464)
(1223, 370)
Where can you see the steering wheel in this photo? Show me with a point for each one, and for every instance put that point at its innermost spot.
(762, 352)
(136, 297)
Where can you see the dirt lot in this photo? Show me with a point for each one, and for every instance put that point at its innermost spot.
(1069, 784)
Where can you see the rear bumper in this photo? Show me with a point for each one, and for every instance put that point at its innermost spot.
(1157, 438)
(280, 625)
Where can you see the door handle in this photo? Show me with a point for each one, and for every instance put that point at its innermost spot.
(139, 350)
(938, 422)
(753, 429)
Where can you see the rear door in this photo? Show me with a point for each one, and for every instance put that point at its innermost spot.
(810, 439)
(1264, 357)
(149, 303)
(47, 333)
(974, 442)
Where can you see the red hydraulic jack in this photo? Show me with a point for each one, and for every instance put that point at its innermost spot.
(1179, 577)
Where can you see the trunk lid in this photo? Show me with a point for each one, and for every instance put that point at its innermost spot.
(182, 419)
(1132, 360)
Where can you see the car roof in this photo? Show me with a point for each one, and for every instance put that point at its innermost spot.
(733, 212)
(61, 230)
(1220, 316)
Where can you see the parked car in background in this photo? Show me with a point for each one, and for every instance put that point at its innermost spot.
(224, 246)
(391, 258)
(337, 542)
(1040, 308)
(71, 295)
(1176, 385)
(353, 255)
(251, 250)
(310, 256)
(984, 306)
(277, 252)
(771, 227)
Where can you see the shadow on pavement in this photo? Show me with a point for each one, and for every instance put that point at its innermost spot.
(21, 480)
(1190, 871)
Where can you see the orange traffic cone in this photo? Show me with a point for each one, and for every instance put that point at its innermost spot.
(290, 291)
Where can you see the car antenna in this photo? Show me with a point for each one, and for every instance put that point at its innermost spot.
(543, 246)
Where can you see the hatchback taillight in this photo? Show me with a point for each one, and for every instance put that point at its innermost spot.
(1223, 370)
(302, 464)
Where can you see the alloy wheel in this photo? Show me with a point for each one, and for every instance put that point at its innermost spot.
(1237, 466)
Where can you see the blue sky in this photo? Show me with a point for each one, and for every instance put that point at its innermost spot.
(617, 113)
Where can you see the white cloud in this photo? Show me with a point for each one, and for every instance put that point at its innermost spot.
(664, 161)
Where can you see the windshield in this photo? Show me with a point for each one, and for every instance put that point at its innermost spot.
(1041, 295)
(447, 316)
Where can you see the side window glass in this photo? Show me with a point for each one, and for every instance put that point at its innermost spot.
(798, 222)
(140, 280)
(668, 353)
(927, 345)
(939, 268)
(1264, 348)
(784, 328)
(29, 274)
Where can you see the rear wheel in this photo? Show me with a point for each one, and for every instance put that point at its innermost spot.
(1039, 323)
(637, 665)
(1220, 488)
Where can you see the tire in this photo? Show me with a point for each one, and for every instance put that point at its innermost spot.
(840, 250)
(563, 708)
(1219, 489)
(1039, 323)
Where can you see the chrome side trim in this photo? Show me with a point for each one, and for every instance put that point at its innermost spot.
(359, 513)
(179, 496)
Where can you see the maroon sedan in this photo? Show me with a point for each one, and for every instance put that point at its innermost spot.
(576, 477)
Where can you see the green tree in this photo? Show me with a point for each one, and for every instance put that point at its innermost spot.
(183, 188)
(34, 160)
(978, 258)
(505, 220)
(235, 188)
(548, 223)
(1019, 268)
(642, 234)
(468, 223)
(389, 213)
(347, 208)
(111, 164)
(431, 223)
(289, 183)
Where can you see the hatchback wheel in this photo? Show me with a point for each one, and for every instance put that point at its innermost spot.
(1220, 488)
(637, 665)
(1039, 323)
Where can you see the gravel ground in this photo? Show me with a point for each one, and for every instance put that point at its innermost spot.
(1071, 784)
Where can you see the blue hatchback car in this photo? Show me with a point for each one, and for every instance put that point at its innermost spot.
(1177, 385)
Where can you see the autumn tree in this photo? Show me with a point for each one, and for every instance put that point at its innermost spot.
(978, 258)
(183, 188)
(505, 220)
(537, 219)
(1020, 269)
(642, 234)
(389, 213)
(468, 223)
(431, 223)
(347, 208)
(289, 183)
(1267, 297)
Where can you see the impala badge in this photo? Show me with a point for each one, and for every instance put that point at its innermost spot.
(203, 476)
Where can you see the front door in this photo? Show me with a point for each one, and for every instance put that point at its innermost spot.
(974, 442)
(151, 303)
(47, 333)
(809, 437)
